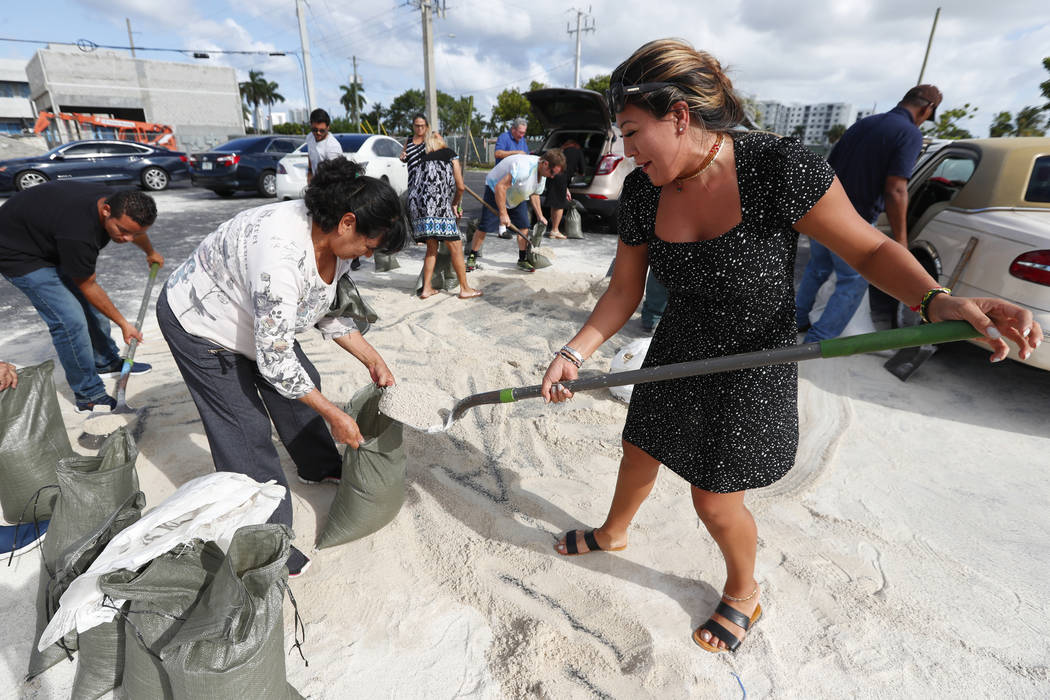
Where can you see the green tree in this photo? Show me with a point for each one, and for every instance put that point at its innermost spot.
(375, 117)
(511, 104)
(270, 97)
(1002, 125)
(399, 115)
(1028, 121)
(835, 133)
(599, 83)
(253, 91)
(1045, 85)
(947, 124)
(799, 132)
(353, 99)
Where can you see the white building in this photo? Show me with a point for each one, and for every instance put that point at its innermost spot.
(811, 120)
(16, 111)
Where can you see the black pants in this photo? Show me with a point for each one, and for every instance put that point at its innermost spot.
(236, 405)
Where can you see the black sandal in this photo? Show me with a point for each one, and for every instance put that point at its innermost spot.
(731, 640)
(592, 544)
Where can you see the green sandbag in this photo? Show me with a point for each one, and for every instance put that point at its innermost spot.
(385, 263)
(572, 222)
(231, 645)
(100, 660)
(32, 440)
(538, 260)
(444, 276)
(372, 488)
(158, 600)
(90, 491)
(348, 303)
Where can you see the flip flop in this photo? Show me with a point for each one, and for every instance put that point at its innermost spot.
(476, 293)
(719, 632)
(558, 235)
(427, 296)
(592, 544)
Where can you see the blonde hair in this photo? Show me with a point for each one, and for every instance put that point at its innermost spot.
(696, 77)
(434, 142)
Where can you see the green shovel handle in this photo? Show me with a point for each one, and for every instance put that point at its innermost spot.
(927, 334)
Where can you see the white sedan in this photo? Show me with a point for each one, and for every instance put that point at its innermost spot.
(379, 154)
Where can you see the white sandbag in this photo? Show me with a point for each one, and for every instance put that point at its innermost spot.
(629, 357)
(210, 507)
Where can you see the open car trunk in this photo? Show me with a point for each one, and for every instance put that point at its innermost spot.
(582, 115)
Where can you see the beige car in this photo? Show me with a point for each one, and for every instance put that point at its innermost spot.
(583, 115)
(979, 222)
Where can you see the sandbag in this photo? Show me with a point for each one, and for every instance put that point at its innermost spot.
(538, 260)
(349, 304)
(444, 275)
(90, 491)
(158, 599)
(629, 357)
(231, 645)
(32, 440)
(385, 262)
(572, 222)
(372, 488)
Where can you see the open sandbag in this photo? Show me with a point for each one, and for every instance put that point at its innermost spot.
(372, 488)
(349, 304)
(572, 221)
(231, 645)
(538, 260)
(32, 440)
(158, 599)
(385, 262)
(444, 275)
(90, 491)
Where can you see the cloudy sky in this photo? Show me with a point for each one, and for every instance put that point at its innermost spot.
(867, 52)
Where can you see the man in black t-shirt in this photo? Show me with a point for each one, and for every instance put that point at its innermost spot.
(50, 238)
(558, 195)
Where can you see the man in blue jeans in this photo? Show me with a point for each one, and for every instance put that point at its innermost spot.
(873, 160)
(50, 238)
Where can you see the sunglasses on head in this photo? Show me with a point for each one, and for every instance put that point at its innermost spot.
(619, 93)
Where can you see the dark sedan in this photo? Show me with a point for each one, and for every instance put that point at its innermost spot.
(99, 161)
(248, 163)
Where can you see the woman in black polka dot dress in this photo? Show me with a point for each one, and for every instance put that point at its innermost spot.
(716, 214)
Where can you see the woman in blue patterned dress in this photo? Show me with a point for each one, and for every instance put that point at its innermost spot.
(716, 213)
(435, 191)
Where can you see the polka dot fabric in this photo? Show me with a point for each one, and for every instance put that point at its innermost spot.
(731, 294)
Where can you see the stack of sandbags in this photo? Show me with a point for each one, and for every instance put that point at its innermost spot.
(32, 440)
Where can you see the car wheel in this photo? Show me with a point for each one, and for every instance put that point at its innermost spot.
(30, 178)
(267, 184)
(155, 179)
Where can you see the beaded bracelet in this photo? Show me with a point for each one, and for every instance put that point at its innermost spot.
(924, 305)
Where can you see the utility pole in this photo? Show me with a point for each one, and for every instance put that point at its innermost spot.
(427, 8)
(929, 43)
(304, 41)
(131, 42)
(580, 15)
(353, 96)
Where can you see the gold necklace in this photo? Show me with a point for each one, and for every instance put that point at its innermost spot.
(709, 159)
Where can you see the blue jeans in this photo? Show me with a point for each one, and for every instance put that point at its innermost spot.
(654, 302)
(79, 331)
(849, 290)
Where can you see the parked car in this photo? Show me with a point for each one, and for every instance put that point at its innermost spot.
(990, 197)
(244, 164)
(97, 161)
(379, 154)
(583, 115)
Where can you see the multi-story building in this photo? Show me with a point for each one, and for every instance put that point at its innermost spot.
(810, 121)
(16, 112)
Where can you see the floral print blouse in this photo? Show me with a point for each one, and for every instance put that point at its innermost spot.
(252, 285)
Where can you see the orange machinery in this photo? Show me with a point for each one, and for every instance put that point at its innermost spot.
(127, 130)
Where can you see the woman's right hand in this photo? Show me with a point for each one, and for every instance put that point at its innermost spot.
(345, 429)
(558, 371)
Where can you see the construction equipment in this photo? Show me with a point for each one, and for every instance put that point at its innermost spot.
(149, 133)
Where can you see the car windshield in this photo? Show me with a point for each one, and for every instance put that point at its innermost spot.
(239, 145)
(1039, 182)
(351, 143)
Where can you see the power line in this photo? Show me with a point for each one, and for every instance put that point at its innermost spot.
(87, 46)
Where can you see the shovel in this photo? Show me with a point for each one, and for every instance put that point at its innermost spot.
(928, 334)
(96, 428)
(512, 227)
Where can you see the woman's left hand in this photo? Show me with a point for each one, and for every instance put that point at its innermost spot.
(380, 373)
(997, 319)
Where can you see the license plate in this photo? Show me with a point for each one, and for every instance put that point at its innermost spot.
(206, 165)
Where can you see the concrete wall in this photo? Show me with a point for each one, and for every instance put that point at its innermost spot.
(14, 70)
(201, 103)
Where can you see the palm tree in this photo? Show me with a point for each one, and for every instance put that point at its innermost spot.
(253, 91)
(799, 132)
(353, 100)
(835, 133)
(270, 97)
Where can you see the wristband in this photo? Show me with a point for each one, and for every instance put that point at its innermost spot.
(924, 305)
(574, 353)
(568, 358)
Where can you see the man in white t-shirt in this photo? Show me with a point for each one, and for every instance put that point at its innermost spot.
(516, 179)
(320, 144)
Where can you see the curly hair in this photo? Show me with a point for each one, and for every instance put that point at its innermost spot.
(137, 205)
(340, 186)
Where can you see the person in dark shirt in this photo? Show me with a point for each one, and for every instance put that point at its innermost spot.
(558, 195)
(50, 238)
(873, 160)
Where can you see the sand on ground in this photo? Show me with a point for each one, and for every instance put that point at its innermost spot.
(904, 556)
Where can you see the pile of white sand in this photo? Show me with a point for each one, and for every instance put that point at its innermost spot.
(902, 557)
